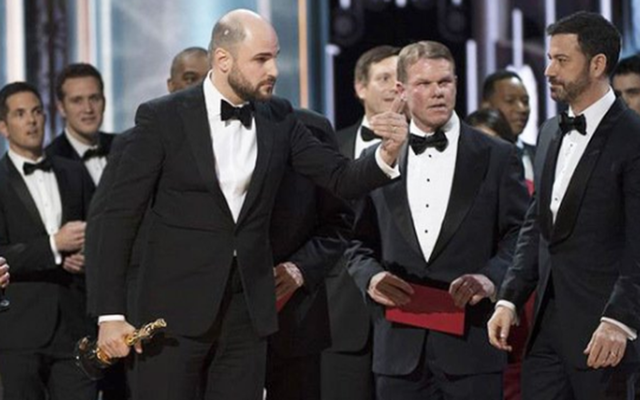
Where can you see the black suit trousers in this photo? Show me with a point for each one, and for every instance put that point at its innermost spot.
(227, 362)
(48, 373)
(545, 375)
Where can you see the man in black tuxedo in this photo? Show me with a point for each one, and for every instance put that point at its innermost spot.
(310, 230)
(211, 171)
(375, 86)
(43, 202)
(188, 68)
(577, 246)
(81, 102)
(451, 221)
(346, 365)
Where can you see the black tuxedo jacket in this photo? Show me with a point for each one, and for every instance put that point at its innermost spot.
(61, 147)
(347, 139)
(590, 253)
(349, 318)
(311, 228)
(193, 237)
(478, 235)
(41, 292)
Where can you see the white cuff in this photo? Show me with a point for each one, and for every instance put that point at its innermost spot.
(632, 334)
(391, 172)
(57, 257)
(509, 305)
(109, 318)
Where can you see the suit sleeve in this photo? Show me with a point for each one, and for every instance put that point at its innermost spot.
(330, 237)
(330, 169)
(124, 207)
(364, 251)
(624, 302)
(512, 204)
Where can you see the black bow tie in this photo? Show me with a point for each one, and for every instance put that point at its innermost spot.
(242, 114)
(44, 165)
(93, 153)
(367, 134)
(567, 123)
(420, 143)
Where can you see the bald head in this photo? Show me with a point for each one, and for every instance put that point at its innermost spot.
(244, 48)
(234, 27)
(188, 68)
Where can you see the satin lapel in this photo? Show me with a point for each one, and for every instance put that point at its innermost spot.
(196, 127)
(395, 195)
(568, 212)
(65, 191)
(265, 129)
(546, 182)
(471, 166)
(21, 190)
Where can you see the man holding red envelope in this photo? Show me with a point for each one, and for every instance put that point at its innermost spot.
(432, 247)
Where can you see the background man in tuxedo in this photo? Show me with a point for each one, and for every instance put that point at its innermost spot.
(346, 365)
(81, 102)
(626, 81)
(188, 68)
(310, 230)
(577, 247)
(451, 221)
(43, 202)
(375, 86)
(212, 170)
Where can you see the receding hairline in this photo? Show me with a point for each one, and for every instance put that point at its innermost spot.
(179, 58)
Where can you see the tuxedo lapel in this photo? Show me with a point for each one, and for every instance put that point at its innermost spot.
(264, 136)
(568, 212)
(347, 140)
(546, 182)
(395, 195)
(65, 190)
(20, 188)
(196, 127)
(66, 149)
(471, 166)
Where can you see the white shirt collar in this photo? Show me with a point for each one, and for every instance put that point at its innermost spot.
(213, 97)
(77, 145)
(596, 111)
(19, 160)
(451, 126)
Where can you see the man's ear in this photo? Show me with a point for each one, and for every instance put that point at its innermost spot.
(223, 60)
(598, 65)
(3, 129)
(60, 108)
(361, 90)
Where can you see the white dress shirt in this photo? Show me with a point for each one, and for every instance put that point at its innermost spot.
(95, 165)
(429, 182)
(361, 145)
(235, 149)
(571, 150)
(43, 188)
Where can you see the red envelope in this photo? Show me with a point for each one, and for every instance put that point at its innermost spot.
(430, 308)
(283, 300)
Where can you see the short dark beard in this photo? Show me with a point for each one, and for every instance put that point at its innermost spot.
(242, 87)
(572, 90)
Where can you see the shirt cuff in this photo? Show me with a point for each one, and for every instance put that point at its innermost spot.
(109, 318)
(509, 305)
(632, 334)
(57, 257)
(391, 172)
